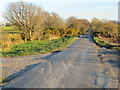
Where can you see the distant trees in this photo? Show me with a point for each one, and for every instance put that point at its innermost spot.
(106, 29)
(72, 22)
(84, 25)
(36, 24)
(55, 24)
(81, 25)
(28, 18)
(54, 20)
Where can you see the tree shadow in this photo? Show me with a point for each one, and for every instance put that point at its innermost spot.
(51, 55)
(13, 88)
(9, 78)
(27, 68)
(89, 60)
(111, 52)
(115, 54)
(84, 36)
(114, 63)
(90, 38)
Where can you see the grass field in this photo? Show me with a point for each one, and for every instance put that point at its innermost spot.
(35, 47)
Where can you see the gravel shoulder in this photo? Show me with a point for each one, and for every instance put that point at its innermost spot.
(15, 66)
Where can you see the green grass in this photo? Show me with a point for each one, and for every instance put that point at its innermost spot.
(8, 28)
(100, 42)
(116, 48)
(35, 47)
(105, 44)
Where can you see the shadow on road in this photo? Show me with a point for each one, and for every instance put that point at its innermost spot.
(7, 79)
(114, 63)
(50, 55)
(111, 52)
(27, 68)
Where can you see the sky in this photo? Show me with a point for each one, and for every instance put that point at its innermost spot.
(82, 9)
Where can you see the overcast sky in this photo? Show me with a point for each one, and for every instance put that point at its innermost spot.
(88, 9)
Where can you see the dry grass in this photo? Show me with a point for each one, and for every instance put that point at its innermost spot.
(9, 37)
(8, 40)
(53, 37)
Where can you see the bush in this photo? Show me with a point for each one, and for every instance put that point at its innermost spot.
(106, 29)
(8, 40)
(102, 43)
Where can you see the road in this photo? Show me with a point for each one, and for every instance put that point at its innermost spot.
(76, 66)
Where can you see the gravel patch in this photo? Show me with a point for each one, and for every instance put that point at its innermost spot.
(15, 66)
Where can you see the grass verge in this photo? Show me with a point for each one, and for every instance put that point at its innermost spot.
(102, 43)
(35, 47)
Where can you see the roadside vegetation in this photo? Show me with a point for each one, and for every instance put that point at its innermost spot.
(28, 22)
(10, 37)
(106, 44)
(106, 34)
(35, 47)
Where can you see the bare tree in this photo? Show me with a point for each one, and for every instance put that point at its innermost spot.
(73, 22)
(79, 24)
(54, 20)
(28, 18)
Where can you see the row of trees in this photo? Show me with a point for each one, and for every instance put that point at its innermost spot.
(36, 24)
(106, 29)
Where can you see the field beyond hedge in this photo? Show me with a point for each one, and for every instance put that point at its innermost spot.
(35, 47)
